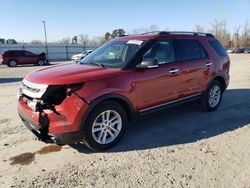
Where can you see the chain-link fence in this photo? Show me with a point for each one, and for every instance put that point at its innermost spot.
(53, 51)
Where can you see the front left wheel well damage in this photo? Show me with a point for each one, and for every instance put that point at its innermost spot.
(120, 99)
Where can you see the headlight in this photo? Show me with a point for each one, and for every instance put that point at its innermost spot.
(32, 90)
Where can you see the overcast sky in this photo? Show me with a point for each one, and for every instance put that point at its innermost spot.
(21, 19)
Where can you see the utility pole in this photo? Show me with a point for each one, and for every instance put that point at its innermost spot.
(45, 35)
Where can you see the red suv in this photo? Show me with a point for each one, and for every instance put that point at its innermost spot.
(12, 58)
(93, 101)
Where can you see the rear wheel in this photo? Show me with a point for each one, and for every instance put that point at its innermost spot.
(211, 99)
(105, 126)
(12, 63)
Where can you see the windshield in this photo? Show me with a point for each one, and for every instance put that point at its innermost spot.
(114, 54)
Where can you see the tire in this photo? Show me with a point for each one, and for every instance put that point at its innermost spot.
(99, 133)
(212, 97)
(12, 63)
(40, 62)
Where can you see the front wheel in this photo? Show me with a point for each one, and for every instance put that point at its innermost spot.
(211, 98)
(104, 126)
(41, 62)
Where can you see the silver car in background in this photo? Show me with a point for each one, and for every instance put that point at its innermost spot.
(79, 57)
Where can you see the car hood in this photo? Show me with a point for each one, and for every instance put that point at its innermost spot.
(69, 74)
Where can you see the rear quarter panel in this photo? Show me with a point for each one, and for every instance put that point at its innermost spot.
(221, 64)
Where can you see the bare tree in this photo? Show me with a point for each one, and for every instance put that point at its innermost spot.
(199, 28)
(146, 29)
(83, 39)
(237, 35)
(97, 41)
(245, 36)
(36, 42)
(66, 41)
(219, 29)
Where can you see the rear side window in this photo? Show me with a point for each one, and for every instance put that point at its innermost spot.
(18, 53)
(27, 53)
(218, 48)
(189, 49)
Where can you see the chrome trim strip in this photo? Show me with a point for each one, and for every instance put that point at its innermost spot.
(197, 94)
(35, 86)
(31, 89)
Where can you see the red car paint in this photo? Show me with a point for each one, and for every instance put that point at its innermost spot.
(67, 119)
(69, 74)
(143, 88)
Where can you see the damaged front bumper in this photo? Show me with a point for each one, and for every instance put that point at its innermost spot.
(61, 125)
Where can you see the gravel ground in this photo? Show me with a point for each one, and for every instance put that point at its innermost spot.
(179, 147)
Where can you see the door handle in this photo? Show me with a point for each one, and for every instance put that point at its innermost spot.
(208, 64)
(172, 71)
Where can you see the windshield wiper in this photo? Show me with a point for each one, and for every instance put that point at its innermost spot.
(92, 62)
(99, 64)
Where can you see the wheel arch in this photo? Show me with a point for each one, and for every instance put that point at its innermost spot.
(118, 98)
(11, 59)
(221, 80)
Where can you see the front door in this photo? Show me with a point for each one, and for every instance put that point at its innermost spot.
(158, 85)
(29, 57)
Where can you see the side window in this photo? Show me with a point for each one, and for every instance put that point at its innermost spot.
(18, 53)
(163, 51)
(189, 49)
(218, 48)
(29, 53)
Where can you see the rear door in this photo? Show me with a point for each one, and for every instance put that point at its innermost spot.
(196, 64)
(19, 56)
(159, 85)
(30, 58)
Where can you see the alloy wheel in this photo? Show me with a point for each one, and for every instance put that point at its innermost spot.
(13, 63)
(40, 62)
(106, 127)
(214, 96)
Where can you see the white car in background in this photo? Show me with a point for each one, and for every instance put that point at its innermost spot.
(80, 56)
(230, 50)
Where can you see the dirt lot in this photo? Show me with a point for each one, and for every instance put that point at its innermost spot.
(180, 147)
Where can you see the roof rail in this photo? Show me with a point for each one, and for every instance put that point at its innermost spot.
(151, 32)
(178, 33)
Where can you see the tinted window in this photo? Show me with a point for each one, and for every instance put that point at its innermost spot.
(163, 51)
(27, 53)
(189, 49)
(18, 53)
(218, 48)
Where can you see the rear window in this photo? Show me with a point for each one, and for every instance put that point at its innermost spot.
(189, 49)
(6, 53)
(218, 48)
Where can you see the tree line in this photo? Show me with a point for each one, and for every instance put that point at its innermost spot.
(239, 37)
(7, 41)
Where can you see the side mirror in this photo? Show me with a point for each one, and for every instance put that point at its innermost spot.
(148, 64)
